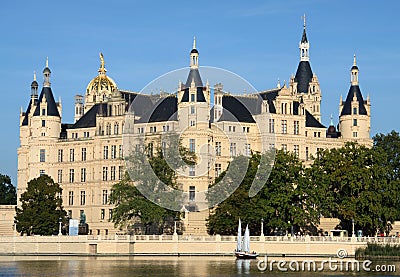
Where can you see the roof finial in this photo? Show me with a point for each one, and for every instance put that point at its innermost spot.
(34, 75)
(304, 20)
(355, 60)
(47, 61)
(332, 120)
(194, 42)
(102, 68)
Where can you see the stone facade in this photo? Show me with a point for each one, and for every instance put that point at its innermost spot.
(86, 157)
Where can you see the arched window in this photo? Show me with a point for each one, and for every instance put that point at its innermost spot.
(116, 128)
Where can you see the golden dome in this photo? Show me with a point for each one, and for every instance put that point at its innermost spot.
(101, 82)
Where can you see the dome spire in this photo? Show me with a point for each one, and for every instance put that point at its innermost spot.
(194, 56)
(102, 70)
(354, 72)
(194, 42)
(46, 74)
(34, 87)
(304, 44)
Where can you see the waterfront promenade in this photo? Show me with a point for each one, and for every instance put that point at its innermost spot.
(173, 245)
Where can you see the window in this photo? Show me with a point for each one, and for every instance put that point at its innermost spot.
(112, 177)
(105, 152)
(105, 197)
(192, 99)
(192, 193)
(71, 198)
(43, 111)
(83, 198)
(60, 155)
(59, 176)
(42, 155)
(120, 172)
(71, 155)
(83, 175)
(108, 129)
(232, 149)
(192, 123)
(217, 170)
(296, 151)
(120, 154)
(355, 110)
(105, 173)
(192, 145)
(271, 125)
(296, 127)
(102, 213)
(83, 154)
(354, 122)
(42, 172)
(284, 147)
(116, 128)
(192, 109)
(113, 151)
(192, 171)
(110, 213)
(218, 148)
(247, 150)
(284, 126)
(71, 175)
(307, 154)
(355, 134)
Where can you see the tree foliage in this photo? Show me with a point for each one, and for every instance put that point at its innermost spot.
(41, 208)
(8, 193)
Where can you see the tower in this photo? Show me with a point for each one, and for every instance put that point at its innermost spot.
(355, 116)
(78, 107)
(305, 84)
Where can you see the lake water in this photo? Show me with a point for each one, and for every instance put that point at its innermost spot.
(156, 266)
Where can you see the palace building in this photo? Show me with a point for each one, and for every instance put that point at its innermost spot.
(86, 157)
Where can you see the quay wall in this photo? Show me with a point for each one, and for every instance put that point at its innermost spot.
(125, 245)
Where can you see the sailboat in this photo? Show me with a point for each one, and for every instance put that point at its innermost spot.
(243, 247)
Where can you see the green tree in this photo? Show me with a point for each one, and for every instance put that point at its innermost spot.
(390, 144)
(286, 199)
(151, 179)
(356, 187)
(41, 207)
(8, 194)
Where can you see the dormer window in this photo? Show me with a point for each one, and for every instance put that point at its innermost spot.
(43, 123)
(355, 110)
(43, 111)
(192, 99)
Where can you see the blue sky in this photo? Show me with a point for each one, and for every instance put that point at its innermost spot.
(141, 40)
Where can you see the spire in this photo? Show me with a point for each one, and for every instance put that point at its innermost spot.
(354, 72)
(102, 70)
(46, 74)
(194, 42)
(34, 75)
(304, 45)
(34, 87)
(331, 124)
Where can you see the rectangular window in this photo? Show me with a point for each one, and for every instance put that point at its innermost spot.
(113, 151)
(102, 213)
(71, 175)
(247, 150)
(59, 176)
(43, 111)
(192, 123)
(42, 172)
(110, 214)
(307, 154)
(83, 198)
(42, 155)
(192, 171)
(71, 198)
(296, 127)
(192, 99)
(71, 155)
(218, 148)
(105, 152)
(355, 134)
(354, 122)
(192, 145)
(112, 177)
(120, 154)
(83, 175)
(105, 173)
(192, 109)
(217, 170)
(192, 193)
(120, 172)
(355, 110)
(232, 149)
(83, 154)
(105, 197)
(284, 126)
(43, 123)
(230, 128)
(284, 147)
(271, 125)
(296, 150)
(60, 155)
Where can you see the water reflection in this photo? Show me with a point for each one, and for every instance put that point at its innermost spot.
(243, 266)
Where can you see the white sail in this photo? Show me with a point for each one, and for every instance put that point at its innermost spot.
(246, 240)
(239, 237)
